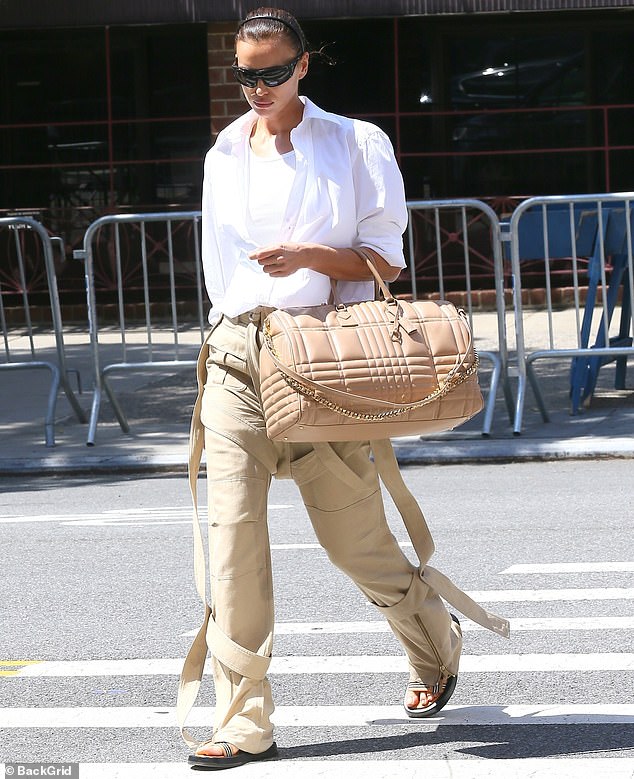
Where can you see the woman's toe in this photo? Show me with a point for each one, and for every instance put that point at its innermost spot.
(412, 700)
(215, 750)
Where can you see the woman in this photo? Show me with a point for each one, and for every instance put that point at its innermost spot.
(289, 191)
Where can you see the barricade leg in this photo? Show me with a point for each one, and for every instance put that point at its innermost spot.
(624, 330)
(508, 394)
(51, 405)
(492, 393)
(94, 416)
(103, 383)
(96, 406)
(532, 378)
(527, 375)
(49, 425)
(70, 395)
(116, 406)
(519, 403)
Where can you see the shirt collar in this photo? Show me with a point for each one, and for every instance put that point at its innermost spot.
(237, 131)
(312, 112)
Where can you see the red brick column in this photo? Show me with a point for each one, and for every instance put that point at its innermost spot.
(225, 94)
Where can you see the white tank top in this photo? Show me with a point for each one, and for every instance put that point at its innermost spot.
(270, 182)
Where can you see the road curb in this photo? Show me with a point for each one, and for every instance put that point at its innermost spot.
(408, 452)
(515, 450)
(59, 466)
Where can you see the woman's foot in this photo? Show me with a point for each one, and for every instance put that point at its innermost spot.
(220, 755)
(221, 749)
(422, 700)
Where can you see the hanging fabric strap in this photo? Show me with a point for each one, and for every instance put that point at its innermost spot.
(418, 531)
(253, 665)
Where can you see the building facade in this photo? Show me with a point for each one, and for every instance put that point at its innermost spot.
(111, 107)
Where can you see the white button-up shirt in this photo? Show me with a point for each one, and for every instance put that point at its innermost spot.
(347, 192)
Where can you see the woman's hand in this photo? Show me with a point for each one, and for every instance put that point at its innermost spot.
(341, 264)
(282, 259)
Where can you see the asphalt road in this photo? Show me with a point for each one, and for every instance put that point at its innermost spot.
(100, 570)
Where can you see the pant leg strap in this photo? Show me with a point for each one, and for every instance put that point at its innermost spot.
(419, 532)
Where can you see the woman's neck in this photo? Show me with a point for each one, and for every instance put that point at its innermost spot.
(273, 136)
(267, 144)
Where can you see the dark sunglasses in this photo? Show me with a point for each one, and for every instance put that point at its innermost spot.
(271, 77)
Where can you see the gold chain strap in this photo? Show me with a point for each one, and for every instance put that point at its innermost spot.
(439, 392)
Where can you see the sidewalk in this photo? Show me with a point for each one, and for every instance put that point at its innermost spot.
(159, 408)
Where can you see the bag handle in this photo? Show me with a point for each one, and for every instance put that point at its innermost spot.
(379, 283)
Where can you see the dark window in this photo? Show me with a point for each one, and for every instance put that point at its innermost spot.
(66, 142)
(160, 74)
(504, 78)
(613, 80)
(47, 78)
(362, 82)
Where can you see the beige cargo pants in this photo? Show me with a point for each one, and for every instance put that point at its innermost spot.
(340, 488)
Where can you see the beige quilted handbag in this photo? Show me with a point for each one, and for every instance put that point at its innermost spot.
(366, 371)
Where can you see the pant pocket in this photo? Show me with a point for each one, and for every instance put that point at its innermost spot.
(223, 371)
(346, 477)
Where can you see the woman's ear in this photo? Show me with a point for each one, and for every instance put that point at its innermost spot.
(303, 64)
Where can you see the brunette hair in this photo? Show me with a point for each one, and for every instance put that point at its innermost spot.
(264, 23)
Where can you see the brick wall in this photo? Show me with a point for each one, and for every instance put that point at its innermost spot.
(225, 94)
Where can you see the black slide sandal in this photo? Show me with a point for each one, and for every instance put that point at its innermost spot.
(211, 763)
(436, 705)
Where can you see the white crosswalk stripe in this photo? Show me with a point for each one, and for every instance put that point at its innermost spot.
(119, 517)
(595, 567)
(517, 625)
(523, 596)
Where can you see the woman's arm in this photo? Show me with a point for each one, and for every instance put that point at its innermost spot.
(340, 264)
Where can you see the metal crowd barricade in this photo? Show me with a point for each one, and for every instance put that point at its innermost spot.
(594, 233)
(467, 216)
(156, 253)
(20, 337)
